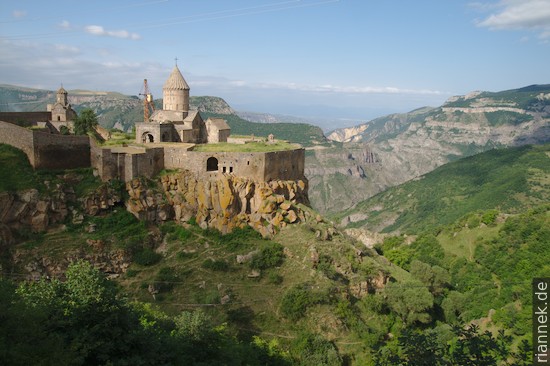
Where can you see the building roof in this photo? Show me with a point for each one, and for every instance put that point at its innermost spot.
(176, 81)
(62, 90)
(219, 123)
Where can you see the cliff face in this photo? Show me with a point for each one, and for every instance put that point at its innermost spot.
(411, 144)
(223, 203)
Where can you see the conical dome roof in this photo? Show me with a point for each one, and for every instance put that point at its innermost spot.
(62, 91)
(176, 81)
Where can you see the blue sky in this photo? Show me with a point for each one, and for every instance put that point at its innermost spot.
(349, 59)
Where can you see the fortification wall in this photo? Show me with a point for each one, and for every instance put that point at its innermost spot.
(249, 165)
(285, 165)
(60, 152)
(18, 137)
(126, 164)
(27, 117)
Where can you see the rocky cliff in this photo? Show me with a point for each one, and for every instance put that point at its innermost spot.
(409, 145)
(222, 203)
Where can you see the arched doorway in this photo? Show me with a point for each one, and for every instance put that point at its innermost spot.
(147, 138)
(212, 164)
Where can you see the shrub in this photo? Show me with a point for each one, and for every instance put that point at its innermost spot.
(165, 278)
(270, 256)
(275, 278)
(147, 257)
(489, 217)
(296, 301)
(215, 265)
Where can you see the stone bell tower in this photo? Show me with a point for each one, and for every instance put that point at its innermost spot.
(175, 93)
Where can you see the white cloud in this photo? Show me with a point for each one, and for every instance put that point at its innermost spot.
(328, 88)
(98, 30)
(19, 14)
(521, 15)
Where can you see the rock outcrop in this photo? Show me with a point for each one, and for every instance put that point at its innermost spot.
(223, 203)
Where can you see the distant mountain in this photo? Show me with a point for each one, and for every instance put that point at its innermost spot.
(114, 110)
(409, 145)
(509, 179)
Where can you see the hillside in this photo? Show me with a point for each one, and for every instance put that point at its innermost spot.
(310, 295)
(510, 180)
(412, 144)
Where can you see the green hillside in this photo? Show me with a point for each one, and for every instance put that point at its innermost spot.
(506, 179)
(528, 98)
(301, 133)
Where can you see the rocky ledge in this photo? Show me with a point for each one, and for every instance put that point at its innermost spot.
(223, 203)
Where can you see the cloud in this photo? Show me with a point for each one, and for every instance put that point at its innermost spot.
(19, 14)
(336, 89)
(531, 15)
(98, 30)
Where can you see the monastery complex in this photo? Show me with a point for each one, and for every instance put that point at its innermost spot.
(166, 141)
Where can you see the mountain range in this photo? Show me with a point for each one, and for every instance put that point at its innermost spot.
(352, 164)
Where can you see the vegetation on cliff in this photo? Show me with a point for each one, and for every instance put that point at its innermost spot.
(506, 179)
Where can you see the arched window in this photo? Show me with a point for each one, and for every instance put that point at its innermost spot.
(147, 137)
(212, 164)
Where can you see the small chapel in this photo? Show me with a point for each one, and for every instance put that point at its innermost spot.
(175, 122)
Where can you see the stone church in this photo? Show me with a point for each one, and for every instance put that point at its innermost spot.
(176, 123)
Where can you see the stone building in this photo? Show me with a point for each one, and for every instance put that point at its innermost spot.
(175, 122)
(62, 110)
(217, 129)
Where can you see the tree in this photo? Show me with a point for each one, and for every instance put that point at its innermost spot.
(410, 300)
(85, 122)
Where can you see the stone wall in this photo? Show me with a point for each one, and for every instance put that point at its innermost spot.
(286, 165)
(28, 117)
(126, 163)
(60, 152)
(18, 137)
(47, 151)
(254, 165)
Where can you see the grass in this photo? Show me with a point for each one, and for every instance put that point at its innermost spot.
(505, 179)
(16, 173)
(463, 243)
(250, 147)
(119, 138)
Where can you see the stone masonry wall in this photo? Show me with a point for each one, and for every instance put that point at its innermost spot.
(28, 117)
(60, 152)
(286, 165)
(18, 137)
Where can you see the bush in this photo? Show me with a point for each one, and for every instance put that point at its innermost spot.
(275, 278)
(489, 217)
(147, 257)
(270, 256)
(215, 265)
(296, 301)
(165, 278)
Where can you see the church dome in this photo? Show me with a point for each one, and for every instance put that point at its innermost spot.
(62, 91)
(176, 81)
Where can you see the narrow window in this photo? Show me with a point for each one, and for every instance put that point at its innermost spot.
(230, 169)
(224, 169)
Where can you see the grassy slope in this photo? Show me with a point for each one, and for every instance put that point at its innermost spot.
(301, 133)
(508, 179)
(15, 170)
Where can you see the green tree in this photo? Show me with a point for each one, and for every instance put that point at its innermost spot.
(435, 277)
(410, 300)
(85, 122)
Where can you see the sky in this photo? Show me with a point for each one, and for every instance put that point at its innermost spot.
(351, 60)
